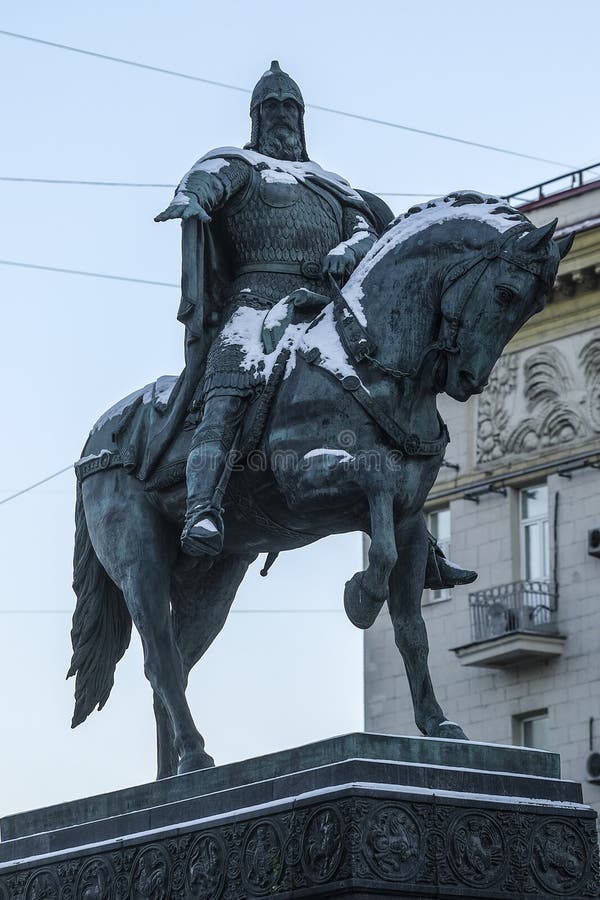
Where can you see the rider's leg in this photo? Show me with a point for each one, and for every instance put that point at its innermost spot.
(441, 572)
(207, 472)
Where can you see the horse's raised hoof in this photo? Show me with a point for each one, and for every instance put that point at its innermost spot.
(191, 762)
(362, 607)
(449, 730)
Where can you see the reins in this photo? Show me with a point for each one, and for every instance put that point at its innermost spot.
(361, 347)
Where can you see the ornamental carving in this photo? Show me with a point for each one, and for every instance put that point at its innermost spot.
(205, 870)
(43, 886)
(392, 842)
(477, 852)
(95, 881)
(322, 844)
(150, 877)
(262, 858)
(559, 856)
(541, 398)
(411, 847)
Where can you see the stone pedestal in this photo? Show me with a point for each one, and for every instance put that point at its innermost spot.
(359, 816)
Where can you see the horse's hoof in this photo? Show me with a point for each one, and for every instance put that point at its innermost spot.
(191, 762)
(451, 731)
(362, 607)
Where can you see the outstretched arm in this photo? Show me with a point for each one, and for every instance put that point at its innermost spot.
(202, 191)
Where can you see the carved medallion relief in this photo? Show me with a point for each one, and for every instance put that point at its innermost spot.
(95, 880)
(392, 843)
(151, 875)
(559, 856)
(206, 868)
(322, 844)
(262, 858)
(477, 850)
(43, 886)
(541, 398)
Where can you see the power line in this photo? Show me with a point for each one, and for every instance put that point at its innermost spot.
(22, 265)
(21, 612)
(37, 484)
(133, 184)
(234, 87)
(126, 62)
(139, 184)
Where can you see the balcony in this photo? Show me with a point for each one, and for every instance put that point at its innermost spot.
(512, 624)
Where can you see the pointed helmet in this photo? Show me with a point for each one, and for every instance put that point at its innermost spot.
(275, 83)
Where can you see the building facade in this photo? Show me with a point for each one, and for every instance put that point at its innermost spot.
(515, 657)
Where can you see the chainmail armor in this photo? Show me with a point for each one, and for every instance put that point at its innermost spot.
(304, 230)
(277, 223)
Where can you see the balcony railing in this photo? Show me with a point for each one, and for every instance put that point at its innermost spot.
(569, 181)
(522, 606)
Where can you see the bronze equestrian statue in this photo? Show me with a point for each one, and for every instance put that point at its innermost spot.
(306, 408)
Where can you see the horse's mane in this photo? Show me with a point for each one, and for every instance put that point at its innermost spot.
(485, 208)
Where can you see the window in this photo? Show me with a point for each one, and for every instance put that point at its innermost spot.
(438, 523)
(533, 511)
(532, 730)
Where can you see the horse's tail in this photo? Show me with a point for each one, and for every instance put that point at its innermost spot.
(101, 624)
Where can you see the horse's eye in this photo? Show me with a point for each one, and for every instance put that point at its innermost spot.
(504, 294)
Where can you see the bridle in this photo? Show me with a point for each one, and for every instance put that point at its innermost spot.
(361, 346)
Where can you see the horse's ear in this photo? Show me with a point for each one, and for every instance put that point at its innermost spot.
(565, 244)
(538, 238)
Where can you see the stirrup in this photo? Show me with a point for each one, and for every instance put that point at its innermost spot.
(452, 575)
(198, 540)
(441, 572)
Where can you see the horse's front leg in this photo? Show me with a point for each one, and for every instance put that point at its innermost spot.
(367, 591)
(406, 586)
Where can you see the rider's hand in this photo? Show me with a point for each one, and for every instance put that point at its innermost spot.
(339, 264)
(181, 210)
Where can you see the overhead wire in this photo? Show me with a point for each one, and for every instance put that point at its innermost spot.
(69, 611)
(19, 612)
(30, 487)
(140, 184)
(133, 184)
(214, 83)
(329, 109)
(28, 265)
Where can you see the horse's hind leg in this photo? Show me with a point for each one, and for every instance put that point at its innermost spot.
(406, 585)
(167, 759)
(138, 553)
(367, 591)
(201, 604)
(147, 594)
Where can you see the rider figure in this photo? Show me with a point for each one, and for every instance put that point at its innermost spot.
(280, 228)
(279, 223)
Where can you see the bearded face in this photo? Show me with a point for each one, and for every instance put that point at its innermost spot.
(280, 136)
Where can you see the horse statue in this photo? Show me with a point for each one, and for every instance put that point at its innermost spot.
(352, 441)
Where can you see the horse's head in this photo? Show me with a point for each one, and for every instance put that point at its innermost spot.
(448, 284)
(494, 288)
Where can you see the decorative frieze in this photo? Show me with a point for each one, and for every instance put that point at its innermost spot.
(541, 398)
(395, 846)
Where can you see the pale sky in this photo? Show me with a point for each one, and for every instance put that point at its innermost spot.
(521, 76)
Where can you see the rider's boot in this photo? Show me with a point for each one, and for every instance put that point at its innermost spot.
(441, 572)
(207, 473)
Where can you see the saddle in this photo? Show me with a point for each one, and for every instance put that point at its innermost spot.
(333, 340)
(120, 436)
